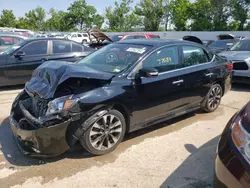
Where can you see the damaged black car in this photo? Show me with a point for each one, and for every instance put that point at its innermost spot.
(118, 89)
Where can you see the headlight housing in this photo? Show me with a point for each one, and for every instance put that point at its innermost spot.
(60, 104)
(241, 139)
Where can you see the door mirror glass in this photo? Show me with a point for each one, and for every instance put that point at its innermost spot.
(20, 54)
(148, 72)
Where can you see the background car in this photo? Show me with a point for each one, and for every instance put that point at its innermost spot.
(239, 55)
(120, 37)
(207, 42)
(233, 156)
(221, 45)
(18, 61)
(120, 88)
(7, 40)
(79, 37)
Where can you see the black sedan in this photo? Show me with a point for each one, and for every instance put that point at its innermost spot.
(18, 61)
(120, 88)
(232, 166)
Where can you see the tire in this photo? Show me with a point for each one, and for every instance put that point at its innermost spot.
(100, 139)
(213, 98)
(84, 41)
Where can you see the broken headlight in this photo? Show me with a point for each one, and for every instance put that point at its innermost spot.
(60, 104)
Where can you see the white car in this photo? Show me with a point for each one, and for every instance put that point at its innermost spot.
(79, 37)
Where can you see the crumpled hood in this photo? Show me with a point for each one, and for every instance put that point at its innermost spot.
(47, 77)
(235, 55)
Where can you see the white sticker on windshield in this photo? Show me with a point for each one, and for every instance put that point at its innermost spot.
(136, 50)
(230, 44)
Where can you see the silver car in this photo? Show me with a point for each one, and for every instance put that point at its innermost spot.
(239, 55)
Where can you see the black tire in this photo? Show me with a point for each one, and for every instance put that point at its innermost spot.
(213, 98)
(87, 141)
(84, 41)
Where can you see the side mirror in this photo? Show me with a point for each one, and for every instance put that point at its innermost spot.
(148, 72)
(20, 54)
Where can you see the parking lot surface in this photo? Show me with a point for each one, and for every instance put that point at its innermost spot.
(178, 154)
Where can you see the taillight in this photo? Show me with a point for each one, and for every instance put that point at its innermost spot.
(230, 66)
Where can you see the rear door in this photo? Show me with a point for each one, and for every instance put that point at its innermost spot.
(198, 74)
(64, 50)
(21, 68)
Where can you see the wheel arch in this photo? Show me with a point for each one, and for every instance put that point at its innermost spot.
(125, 112)
(222, 84)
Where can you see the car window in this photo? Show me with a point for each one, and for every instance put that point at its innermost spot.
(154, 36)
(129, 37)
(79, 35)
(165, 59)
(139, 37)
(74, 35)
(193, 56)
(77, 48)
(36, 48)
(85, 35)
(7, 40)
(60, 46)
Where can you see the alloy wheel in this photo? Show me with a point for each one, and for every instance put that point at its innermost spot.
(214, 97)
(105, 132)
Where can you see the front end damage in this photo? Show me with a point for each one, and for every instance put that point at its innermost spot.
(37, 134)
(48, 117)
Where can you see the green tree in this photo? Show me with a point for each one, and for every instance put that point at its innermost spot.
(34, 19)
(58, 21)
(81, 14)
(239, 10)
(121, 17)
(152, 12)
(98, 21)
(7, 19)
(220, 14)
(180, 13)
(201, 15)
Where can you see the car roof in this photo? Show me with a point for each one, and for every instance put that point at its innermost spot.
(49, 38)
(13, 35)
(156, 42)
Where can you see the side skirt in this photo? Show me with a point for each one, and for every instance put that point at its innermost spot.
(168, 116)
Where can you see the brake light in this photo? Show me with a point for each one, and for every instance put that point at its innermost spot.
(230, 66)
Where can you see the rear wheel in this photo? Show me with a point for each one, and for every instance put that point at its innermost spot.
(84, 41)
(104, 135)
(213, 98)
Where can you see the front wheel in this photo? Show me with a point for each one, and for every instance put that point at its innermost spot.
(213, 98)
(104, 135)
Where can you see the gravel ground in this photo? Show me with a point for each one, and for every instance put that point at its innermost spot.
(179, 153)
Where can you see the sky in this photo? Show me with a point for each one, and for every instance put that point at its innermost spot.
(21, 7)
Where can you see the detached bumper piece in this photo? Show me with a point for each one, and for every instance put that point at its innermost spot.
(33, 135)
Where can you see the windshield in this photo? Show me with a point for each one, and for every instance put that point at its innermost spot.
(115, 38)
(114, 58)
(222, 44)
(13, 48)
(243, 45)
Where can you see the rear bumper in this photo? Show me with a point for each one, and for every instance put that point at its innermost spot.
(241, 77)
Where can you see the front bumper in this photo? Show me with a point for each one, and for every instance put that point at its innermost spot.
(36, 137)
(43, 142)
(231, 169)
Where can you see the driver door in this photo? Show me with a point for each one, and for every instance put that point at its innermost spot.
(162, 94)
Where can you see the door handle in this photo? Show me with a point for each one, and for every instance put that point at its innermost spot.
(209, 74)
(178, 82)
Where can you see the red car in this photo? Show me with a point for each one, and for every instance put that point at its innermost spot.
(120, 37)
